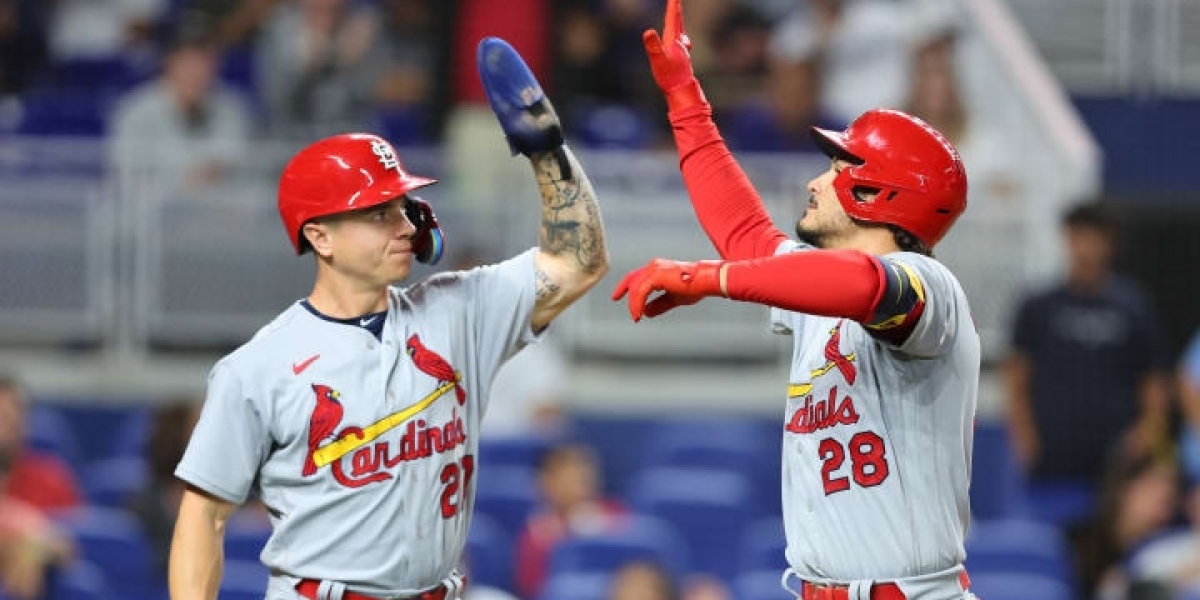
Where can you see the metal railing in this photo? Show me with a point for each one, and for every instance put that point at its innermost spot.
(125, 260)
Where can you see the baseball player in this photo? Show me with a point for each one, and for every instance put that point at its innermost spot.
(885, 359)
(355, 414)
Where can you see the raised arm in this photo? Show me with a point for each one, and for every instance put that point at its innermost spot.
(726, 203)
(572, 254)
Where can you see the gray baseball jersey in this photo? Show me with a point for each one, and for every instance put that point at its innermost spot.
(363, 449)
(877, 440)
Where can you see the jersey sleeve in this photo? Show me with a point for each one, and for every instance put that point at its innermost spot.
(230, 440)
(945, 306)
(785, 322)
(500, 310)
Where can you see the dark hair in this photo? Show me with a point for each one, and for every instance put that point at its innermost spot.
(1091, 215)
(909, 242)
(555, 453)
(170, 430)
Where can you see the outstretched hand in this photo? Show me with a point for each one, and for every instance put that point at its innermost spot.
(524, 111)
(681, 284)
(670, 53)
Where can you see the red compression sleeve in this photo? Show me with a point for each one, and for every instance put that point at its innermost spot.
(831, 283)
(726, 203)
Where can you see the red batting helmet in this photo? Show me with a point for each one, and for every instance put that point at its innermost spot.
(921, 180)
(342, 173)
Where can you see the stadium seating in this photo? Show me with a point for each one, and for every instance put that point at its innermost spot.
(576, 586)
(114, 481)
(49, 430)
(1019, 546)
(244, 580)
(709, 507)
(762, 546)
(512, 451)
(82, 580)
(760, 585)
(489, 553)
(508, 494)
(997, 482)
(638, 538)
(1060, 503)
(1000, 585)
(114, 542)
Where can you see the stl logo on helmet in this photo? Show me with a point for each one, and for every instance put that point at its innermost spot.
(387, 155)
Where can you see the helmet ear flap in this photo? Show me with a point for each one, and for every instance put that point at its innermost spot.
(428, 242)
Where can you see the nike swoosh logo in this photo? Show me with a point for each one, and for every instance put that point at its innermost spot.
(366, 322)
(298, 368)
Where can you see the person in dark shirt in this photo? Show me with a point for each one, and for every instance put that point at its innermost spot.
(1086, 375)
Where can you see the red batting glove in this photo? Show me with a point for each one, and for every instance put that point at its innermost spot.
(681, 284)
(671, 61)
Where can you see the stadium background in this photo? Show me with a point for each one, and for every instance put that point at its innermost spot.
(120, 285)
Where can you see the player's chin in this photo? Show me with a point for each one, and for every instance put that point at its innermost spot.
(398, 265)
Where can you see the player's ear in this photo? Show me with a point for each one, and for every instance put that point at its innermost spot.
(319, 237)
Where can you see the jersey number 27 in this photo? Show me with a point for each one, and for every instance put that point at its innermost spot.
(456, 480)
(868, 462)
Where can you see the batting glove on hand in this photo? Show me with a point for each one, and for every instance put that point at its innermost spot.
(681, 284)
(524, 112)
(671, 59)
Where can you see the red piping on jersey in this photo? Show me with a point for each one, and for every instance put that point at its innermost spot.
(830, 283)
(725, 201)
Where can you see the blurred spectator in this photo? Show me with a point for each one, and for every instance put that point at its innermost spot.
(705, 587)
(405, 90)
(30, 485)
(569, 481)
(1137, 502)
(42, 481)
(935, 95)
(318, 64)
(104, 28)
(781, 122)
(641, 580)
(22, 49)
(30, 547)
(862, 46)
(739, 67)
(182, 127)
(235, 21)
(1187, 382)
(157, 506)
(1173, 560)
(1086, 372)
(480, 165)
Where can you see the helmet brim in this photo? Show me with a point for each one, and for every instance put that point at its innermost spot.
(834, 144)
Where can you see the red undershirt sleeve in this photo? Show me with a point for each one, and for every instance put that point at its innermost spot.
(831, 283)
(726, 203)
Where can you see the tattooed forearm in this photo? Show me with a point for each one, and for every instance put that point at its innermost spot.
(570, 215)
(544, 286)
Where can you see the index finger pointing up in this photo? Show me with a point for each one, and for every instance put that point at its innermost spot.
(673, 22)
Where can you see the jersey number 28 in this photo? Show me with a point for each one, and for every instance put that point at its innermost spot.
(456, 480)
(868, 462)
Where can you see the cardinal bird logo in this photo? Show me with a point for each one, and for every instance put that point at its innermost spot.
(834, 355)
(834, 359)
(326, 417)
(432, 364)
